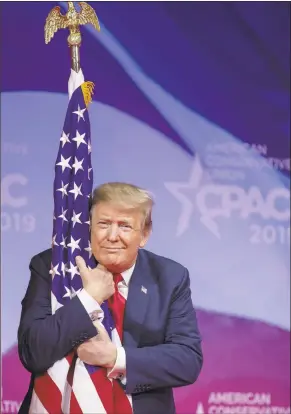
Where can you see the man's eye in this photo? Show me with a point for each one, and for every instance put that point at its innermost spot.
(102, 224)
(125, 227)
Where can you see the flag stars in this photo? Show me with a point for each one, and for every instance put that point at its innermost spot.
(54, 271)
(63, 242)
(76, 218)
(79, 139)
(80, 113)
(76, 190)
(63, 216)
(78, 165)
(64, 163)
(64, 268)
(54, 243)
(89, 250)
(73, 270)
(71, 172)
(63, 189)
(64, 139)
(68, 293)
(74, 244)
(75, 292)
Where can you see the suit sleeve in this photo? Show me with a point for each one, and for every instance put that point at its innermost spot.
(44, 338)
(176, 362)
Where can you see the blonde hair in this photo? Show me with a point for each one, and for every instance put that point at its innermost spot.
(127, 195)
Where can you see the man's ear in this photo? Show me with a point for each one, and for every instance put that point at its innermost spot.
(146, 235)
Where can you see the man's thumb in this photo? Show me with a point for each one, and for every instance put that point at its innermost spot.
(80, 262)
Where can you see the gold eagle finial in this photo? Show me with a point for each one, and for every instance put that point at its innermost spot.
(71, 20)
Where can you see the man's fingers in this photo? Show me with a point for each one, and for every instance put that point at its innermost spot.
(102, 333)
(80, 262)
(104, 270)
(101, 267)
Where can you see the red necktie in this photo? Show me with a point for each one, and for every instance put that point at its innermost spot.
(117, 305)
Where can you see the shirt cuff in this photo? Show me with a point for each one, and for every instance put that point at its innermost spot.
(119, 369)
(90, 304)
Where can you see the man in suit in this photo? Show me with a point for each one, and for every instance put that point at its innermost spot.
(161, 346)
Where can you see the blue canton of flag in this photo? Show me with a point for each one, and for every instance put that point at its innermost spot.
(72, 191)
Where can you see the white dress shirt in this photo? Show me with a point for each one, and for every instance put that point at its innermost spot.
(90, 304)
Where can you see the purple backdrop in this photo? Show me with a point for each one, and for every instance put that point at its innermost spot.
(192, 100)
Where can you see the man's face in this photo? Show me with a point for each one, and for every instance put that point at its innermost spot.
(116, 235)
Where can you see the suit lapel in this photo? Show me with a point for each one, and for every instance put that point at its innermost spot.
(139, 294)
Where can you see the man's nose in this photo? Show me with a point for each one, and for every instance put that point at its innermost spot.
(113, 232)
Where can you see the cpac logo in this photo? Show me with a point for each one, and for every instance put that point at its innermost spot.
(10, 189)
(214, 201)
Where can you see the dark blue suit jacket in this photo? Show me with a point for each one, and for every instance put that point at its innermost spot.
(161, 337)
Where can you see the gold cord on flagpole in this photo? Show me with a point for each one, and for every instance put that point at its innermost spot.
(88, 90)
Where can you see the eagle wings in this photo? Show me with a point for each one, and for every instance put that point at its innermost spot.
(56, 20)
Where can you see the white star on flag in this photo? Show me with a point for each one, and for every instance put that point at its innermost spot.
(54, 243)
(73, 270)
(64, 268)
(63, 242)
(63, 215)
(64, 139)
(78, 165)
(89, 147)
(68, 292)
(64, 163)
(74, 244)
(54, 271)
(89, 170)
(76, 190)
(80, 113)
(74, 292)
(79, 139)
(63, 189)
(76, 218)
(89, 250)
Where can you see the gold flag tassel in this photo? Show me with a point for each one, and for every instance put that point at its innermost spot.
(88, 91)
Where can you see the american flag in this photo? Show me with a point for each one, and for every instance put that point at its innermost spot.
(70, 386)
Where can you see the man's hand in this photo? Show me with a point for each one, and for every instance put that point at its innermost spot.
(99, 351)
(97, 282)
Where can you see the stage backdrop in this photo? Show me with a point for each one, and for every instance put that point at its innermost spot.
(191, 102)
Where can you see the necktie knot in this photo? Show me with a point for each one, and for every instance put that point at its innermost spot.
(117, 277)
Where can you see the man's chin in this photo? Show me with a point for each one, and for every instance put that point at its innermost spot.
(112, 262)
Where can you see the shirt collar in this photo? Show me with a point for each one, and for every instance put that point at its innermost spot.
(127, 274)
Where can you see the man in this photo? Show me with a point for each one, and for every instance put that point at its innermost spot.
(161, 346)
